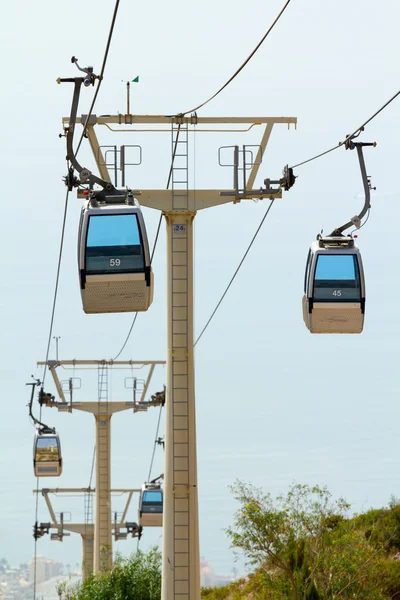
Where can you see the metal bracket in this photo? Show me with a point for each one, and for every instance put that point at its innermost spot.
(102, 162)
(134, 529)
(85, 174)
(242, 193)
(39, 530)
(356, 220)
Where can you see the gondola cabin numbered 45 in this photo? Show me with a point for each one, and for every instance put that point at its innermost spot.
(334, 287)
(114, 261)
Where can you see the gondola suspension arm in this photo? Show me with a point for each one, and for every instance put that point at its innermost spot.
(43, 427)
(356, 220)
(85, 175)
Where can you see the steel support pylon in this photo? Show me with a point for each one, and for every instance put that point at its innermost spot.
(102, 410)
(181, 552)
(181, 548)
(87, 553)
(181, 556)
(102, 528)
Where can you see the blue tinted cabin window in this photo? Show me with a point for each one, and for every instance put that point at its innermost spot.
(337, 278)
(114, 245)
(152, 497)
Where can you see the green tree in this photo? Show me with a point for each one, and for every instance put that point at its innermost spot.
(305, 546)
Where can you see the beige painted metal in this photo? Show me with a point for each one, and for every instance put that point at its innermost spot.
(85, 530)
(190, 120)
(333, 317)
(87, 552)
(198, 199)
(102, 529)
(169, 131)
(52, 369)
(94, 144)
(102, 411)
(112, 363)
(259, 156)
(181, 556)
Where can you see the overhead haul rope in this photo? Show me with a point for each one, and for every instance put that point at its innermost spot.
(243, 64)
(60, 257)
(235, 273)
(349, 137)
(101, 74)
(357, 131)
(56, 286)
(155, 443)
(192, 111)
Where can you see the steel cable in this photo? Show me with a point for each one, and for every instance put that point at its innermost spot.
(101, 74)
(243, 64)
(60, 255)
(235, 273)
(155, 443)
(358, 130)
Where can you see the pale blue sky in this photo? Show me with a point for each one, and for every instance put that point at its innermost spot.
(274, 403)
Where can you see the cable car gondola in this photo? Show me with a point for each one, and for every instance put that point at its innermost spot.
(113, 257)
(334, 282)
(151, 505)
(334, 287)
(47, 459)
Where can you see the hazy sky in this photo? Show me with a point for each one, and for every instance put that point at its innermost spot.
(274, 403)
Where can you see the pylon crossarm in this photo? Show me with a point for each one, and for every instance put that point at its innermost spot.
(199, 199)
(97, 153)
(147, 383)
(45, 494)
(84, 490)
(52, 368)
(128, 501)
(75, 363)
(260, 153)
(165, 120)
(85, 175)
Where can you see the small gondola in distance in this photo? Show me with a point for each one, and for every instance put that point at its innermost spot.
(47, 458)
(151, 505)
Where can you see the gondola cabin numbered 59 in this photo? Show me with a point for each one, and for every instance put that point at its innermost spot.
(114, 261)
(334, 287)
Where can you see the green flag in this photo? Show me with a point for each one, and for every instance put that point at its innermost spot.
(136, 80)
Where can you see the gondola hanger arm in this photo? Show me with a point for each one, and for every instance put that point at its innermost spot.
(43, 427)
(356, 220)
(85, 175)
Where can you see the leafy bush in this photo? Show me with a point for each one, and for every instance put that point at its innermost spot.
(135, 578)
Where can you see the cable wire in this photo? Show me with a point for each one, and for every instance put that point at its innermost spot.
(92, 469)
(235, 273)
(358, 130)
(155, 240)
(56, 286)
(155, 443)
(243, 64)
(101, 74)
(60, 257)
(136, 314)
